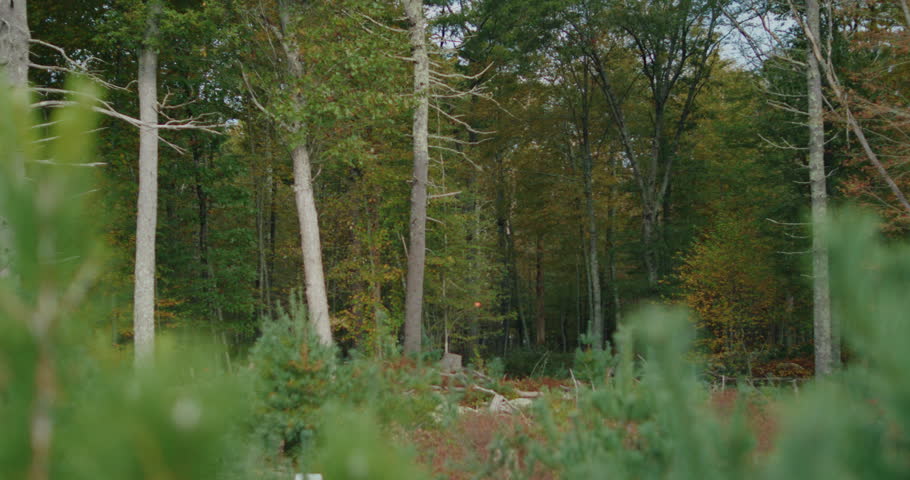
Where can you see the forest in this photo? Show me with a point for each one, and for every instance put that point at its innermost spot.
(429, 239)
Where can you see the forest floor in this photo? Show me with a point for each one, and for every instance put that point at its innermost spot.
(464, 449)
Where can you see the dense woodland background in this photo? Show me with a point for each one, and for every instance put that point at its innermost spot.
(586, 157)
(586, 161)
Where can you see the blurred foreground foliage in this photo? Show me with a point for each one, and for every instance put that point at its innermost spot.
(653, 419)
(72, 406)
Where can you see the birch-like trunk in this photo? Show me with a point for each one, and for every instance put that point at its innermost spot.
(417, 242)
(316, 297)
(14, 38)
(817, 180)
(310, 243)
(147, 205)
(595, 332)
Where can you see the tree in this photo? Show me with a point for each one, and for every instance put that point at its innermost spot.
(676, 42)
(821, 294)
(14, 40)
(417, 234)
(14, 61)
(875, 41)
(147, 204)
(283, 23)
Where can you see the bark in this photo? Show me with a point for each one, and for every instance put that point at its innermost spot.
(147, 205)
(540, 317)
(578, 314)
(478, 248)
(273, 225)
(418, 220)
(311, 247)
(14, 40)
(509, 298)
(596, 326)
(612, 248)
(262, 187)
(817, 180)
(592, 260)
(316, 297)
(202, 201)
(595, 333)
(827, 68)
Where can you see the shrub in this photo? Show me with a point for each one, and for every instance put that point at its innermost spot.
(593, 366)
(293, 377)
(653, 420)
(103, 418)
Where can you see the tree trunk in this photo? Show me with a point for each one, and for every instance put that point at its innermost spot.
(817, 179)
(578, 314)
(14, 39)
(147, 205)
(314, 278)
(595, 332)
(649, 235)
(540, 318)
(316, 298)
(611, 245)
(262, 187)
(202, 201)
(417, 241)
(476, 341)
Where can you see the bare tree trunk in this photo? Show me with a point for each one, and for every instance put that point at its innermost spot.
(317, 300)
(262, 186)
(824, 62)
(595, 332)
(540, 317)
(578, 328)
(475, 321)
(417, 240)
(14, 39)
(611, 245)
(147, 205)
(649, 244)
(314, 278)
(817, 179)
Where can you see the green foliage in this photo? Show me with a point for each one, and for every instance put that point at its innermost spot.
(653, 419)
(179, 419)
(858, 425)
(648, 421)
(730, 281)
(593, 365)
(293, 375)
(69, 406)
(355, 448)
(537, 363)
(377, 387)
(297, 378)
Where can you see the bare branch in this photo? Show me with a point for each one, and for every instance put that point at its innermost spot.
(459, 121)
(443, 195)
(459, 153)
